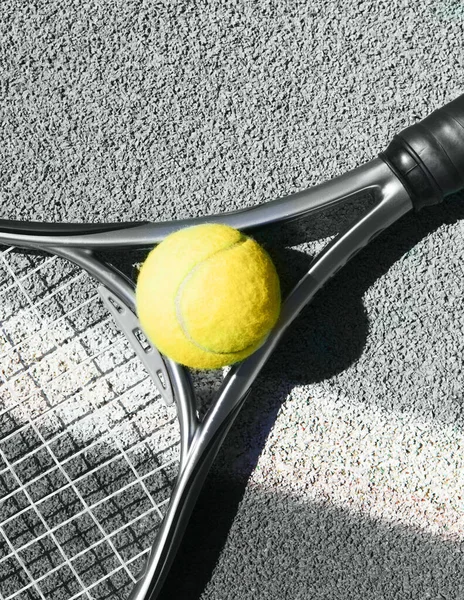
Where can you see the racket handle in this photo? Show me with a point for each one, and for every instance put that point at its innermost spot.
(428, 157)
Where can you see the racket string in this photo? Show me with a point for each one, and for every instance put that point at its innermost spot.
(34, 306)
(62, 375)
(49, 532)
(55, 323)
(18, 282)
(70, 371)
(70, 485)
(156, 507)
(78, 453)
(85, 478)
(58, 436)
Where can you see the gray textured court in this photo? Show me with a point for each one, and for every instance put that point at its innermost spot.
(342, 478)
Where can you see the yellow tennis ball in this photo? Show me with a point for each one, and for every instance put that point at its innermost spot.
(207, 296)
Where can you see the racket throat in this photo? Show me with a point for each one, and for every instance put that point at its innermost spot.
(128, 323)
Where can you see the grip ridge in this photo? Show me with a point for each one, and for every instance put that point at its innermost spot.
(428, 157)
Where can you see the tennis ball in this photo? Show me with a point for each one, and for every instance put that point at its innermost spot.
(207, 296)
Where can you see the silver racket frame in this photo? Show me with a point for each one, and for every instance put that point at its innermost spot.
(201, 440)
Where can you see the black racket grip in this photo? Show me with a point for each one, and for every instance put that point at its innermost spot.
(428, 157)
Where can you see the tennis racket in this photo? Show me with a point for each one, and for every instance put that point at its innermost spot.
(103, 452)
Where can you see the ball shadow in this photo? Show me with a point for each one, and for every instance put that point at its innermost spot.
(330, 333)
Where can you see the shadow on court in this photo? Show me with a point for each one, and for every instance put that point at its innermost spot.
(276, 546)
(280, 547)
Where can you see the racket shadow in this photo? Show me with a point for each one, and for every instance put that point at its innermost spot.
(326, 338)
(282, 546)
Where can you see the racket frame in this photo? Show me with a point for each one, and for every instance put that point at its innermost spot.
(201, 440)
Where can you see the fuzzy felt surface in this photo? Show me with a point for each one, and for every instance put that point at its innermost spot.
(207, 296)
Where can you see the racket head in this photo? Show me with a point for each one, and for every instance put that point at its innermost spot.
(199, 445)
(88, 450)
